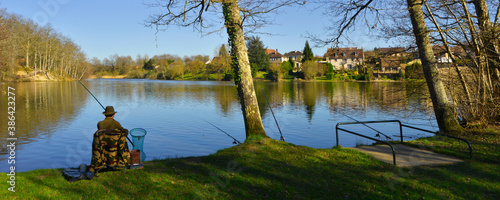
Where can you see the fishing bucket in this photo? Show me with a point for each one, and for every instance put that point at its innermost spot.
(135, 156)
(138, 135)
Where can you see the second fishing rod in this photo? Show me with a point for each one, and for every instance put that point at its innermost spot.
(378, 132)
(271, 109)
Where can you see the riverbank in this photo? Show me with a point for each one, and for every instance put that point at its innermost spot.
(260, 78)
(108, 77)
(277, 170)
(24, 76)
(31, 76)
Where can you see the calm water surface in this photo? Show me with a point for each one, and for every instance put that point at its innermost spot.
(55, 121)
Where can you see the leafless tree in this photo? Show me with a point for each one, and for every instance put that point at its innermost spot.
(234, 16)
(468, 28)
(374, 13)
(37, 48)
(463, 30)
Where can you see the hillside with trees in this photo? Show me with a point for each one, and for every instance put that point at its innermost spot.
(29, 51)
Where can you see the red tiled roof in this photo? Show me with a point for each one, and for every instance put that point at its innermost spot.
(293, 53)
(350, 52)
(391, 50)
(456, 50)
(275, 55)
(269, 51)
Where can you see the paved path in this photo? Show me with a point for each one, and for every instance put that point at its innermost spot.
(406, 156)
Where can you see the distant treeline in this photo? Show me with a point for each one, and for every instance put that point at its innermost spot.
(27, 46)
(166, 66)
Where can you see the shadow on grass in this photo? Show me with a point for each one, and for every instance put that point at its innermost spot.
(485, 146)
(270, 169)
(248, 171)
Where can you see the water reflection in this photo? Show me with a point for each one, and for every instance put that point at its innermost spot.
(40, 109)
(61, 117)
(385, 97)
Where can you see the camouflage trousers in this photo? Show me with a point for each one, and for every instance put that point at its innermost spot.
(109, 149)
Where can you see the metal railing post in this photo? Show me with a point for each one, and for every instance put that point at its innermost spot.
(400, 131)
(337, 134)
(392, 148)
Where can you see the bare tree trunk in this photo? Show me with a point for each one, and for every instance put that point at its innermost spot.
(27, 55)
(241, 66)
(445, 42)
(62, 64)
(34, 61)
(46, 59)
(489, 38)
(444, 112)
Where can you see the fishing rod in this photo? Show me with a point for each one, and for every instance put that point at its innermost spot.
(89, 92)
(97, 102)
(378, 132)
(281, 138)
(235, 140)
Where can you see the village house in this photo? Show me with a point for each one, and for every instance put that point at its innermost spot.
(275, 56)
(392, 58)
(443, 59)
(344, 58)
(296, 56)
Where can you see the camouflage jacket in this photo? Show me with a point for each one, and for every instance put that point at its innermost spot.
(110, 123)
(109, 149)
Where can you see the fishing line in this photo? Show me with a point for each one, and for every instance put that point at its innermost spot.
(97, 102)
(235, 140)
(281, 138)
(378, 132)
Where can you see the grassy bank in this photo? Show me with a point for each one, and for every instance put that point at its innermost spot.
(277, 170)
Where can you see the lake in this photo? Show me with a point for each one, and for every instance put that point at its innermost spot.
(55, 121)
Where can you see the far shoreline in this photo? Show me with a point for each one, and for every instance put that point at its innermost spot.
(255, 79)
(47, 78)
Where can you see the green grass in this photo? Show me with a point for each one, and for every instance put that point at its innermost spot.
(271, 169)
(485, 145)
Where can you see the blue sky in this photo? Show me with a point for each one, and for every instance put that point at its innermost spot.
(103, 28)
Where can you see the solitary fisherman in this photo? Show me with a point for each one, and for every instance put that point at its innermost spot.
(109, 122)
(109, 147)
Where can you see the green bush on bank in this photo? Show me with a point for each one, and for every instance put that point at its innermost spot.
(136, 74)
(323, 72)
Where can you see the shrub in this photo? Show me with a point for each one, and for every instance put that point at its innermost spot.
(330, 76)
(414, 71)
(275, 72)
(228, 77)
(152, 75)
(287, 67)
(309, 69)
(136, 74)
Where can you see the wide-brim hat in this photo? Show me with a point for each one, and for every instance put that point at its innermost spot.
(109, 110)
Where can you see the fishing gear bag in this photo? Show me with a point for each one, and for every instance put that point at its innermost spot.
(76, 174)
(109, 150)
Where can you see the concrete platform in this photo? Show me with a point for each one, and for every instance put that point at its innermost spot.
(406, 156)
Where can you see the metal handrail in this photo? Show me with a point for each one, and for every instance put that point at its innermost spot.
(401, 125)
(392, 148)
(438, 133)
(371, 122)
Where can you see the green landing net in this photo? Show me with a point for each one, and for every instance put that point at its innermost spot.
(138, 135)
